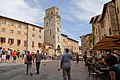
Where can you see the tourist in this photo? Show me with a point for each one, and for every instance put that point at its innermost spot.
(38, 57)
(66, 64)
(29, 63)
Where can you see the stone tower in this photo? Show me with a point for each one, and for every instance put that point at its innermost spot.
(52, 28)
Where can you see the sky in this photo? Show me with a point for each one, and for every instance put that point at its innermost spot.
(75, 14)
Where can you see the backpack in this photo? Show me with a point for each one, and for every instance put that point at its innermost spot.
(29, 58)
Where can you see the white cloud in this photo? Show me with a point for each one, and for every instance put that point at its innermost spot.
(20, 10)
(83, 10)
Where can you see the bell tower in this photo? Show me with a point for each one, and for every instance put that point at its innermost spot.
(52, 27)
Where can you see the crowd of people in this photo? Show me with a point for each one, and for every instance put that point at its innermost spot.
(109, 60)
(8, 55)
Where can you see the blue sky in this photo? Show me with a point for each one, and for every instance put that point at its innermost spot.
(75, 14)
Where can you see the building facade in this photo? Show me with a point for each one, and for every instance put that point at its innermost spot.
(19, 35)
(106, 23)
(69, 43)
(35, 38)
(117, 8)
(86, 44)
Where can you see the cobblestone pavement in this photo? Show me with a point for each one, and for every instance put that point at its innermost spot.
(48, 71)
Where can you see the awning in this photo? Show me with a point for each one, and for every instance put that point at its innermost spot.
(108, 43)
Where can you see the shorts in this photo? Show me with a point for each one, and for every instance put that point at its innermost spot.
(14, 57)
(7, 57)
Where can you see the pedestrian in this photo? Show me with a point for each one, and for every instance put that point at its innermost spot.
(14, 56)
(23, 53)
(0, 54)
(85, 58)
(114, 68)
(3, 56)
(29, 63)
(8, 55)
(77, 58)
(66, 64)
(38, 57)
(18, 53)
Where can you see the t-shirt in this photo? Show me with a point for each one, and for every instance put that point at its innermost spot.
(38, 57)
(14, 54)
(8, 52)
(116, 69)
(66, 59)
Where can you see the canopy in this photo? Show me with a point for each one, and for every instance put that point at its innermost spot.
(108, 43)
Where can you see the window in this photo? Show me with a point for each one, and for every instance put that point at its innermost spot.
(46, 23)
(58, 38)
(11, 23)
(11, 31)
(39, 37)
(50, 31)
(25, 43)
(117, 9)
(10, 41)
(2, 39)
(18, 33)
(53, 37)
(3, 21)
(39, 45)
(58, 47)
(33, 35)
(3, 29)
(58, 23)
(33, 28)
(110, 31)
(51, 12)
(39, 30)
(57, 29)
(49, 19)
(18, 42)
(32, 44)
(18, 25)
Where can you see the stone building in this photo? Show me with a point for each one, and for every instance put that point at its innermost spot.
(19, 35)
(69, 43)
(97, 30)
(64, 39)
(52, 28)
(106, 23)
(86, 44)
(117, 9)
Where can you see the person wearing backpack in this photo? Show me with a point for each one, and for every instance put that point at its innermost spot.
(29, 63)
(66, 64)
